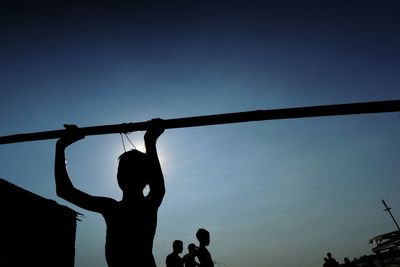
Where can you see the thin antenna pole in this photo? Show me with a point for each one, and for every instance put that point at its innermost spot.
(256, 115)
(391, 215)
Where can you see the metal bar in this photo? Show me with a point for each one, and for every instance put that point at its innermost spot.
(256, 115)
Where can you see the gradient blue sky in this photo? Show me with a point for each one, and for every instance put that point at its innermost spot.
(273, 193)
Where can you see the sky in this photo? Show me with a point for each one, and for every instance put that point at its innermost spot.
(271, 193)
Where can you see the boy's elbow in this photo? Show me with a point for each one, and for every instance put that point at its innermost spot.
(163, 192)
(159, 191)
(61, 193)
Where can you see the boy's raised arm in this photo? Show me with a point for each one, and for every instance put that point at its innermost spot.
(64, 186)
(156, 177)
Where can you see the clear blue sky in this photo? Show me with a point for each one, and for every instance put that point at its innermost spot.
(272, 193)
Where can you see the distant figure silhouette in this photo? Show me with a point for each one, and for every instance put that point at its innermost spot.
(131, 222)
(189, 259)
(202, 253)
(330, 262)
(348, 263)
(326, 264)
(173, 259)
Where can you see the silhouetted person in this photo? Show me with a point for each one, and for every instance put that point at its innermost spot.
(173, 259)
(202, 253)
(348, 263)
(326, 263)
(131, 222)
(189, 259)
(331, 262)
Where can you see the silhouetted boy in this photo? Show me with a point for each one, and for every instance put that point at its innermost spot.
(173, 259)
(202, 253)
(189, 259)
(131, 222)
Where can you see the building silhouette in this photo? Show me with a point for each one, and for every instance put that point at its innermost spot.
(35, 231)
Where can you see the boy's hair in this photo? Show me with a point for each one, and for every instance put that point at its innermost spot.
(202, 234)
(177, 244)
(132, 169)
(192, 247)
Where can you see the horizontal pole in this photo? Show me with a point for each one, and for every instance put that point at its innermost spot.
(256, 115)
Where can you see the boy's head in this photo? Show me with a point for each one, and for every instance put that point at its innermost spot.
(177, 246)
(203, 236)
(192, 247)
(132, 168)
